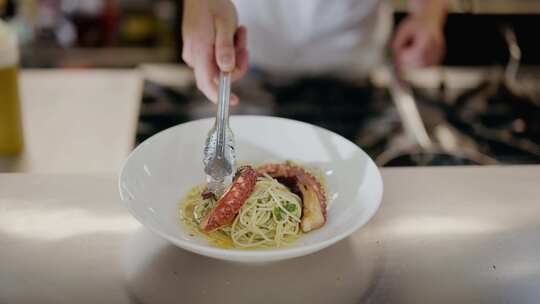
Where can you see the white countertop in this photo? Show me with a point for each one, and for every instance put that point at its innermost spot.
(76, 120)
(442, 235)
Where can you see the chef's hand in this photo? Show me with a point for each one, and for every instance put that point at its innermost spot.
(212, 41)
(419, 39)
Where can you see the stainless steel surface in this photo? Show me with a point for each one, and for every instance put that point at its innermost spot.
(406, 106)
(452, 235)
(417, 143)
(512, 67)
(219, 156)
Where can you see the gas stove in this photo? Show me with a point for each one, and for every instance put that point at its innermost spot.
(503, 119)
(489, 119)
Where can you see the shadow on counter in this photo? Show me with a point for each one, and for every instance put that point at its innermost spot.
(158, 272)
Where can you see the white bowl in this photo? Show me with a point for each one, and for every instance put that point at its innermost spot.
(160, 171)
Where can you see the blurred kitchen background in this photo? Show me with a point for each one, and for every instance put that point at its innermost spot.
(126, 33)
(482, 106)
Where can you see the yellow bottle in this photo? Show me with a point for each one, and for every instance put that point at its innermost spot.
(11, 139)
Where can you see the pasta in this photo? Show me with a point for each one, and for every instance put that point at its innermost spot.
(270, 217)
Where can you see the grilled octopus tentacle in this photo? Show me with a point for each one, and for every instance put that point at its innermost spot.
(234, 198)
(313, 196)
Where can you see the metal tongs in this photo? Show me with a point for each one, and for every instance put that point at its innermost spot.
(408, 110)
(219, 156)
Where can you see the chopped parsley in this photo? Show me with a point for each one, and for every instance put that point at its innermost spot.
(290, 207)
(278, 214)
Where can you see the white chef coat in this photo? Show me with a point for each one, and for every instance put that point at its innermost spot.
(306, 37)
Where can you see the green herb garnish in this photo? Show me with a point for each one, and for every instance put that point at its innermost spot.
(278, 214)
(290, 207)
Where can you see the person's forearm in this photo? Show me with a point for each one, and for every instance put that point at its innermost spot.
(433, 10)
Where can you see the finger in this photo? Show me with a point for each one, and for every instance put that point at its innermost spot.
(206, 87)
(234, 100)
(412, 54)
(186, 54)
(410, 57)
(240, 70)
(419, 54)
(402, 37)
(225, 53)
(440, 54)
(205, 71)
(242, 65)
(187, 51)
(436, 50)
(240, 38)
(410, 60)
